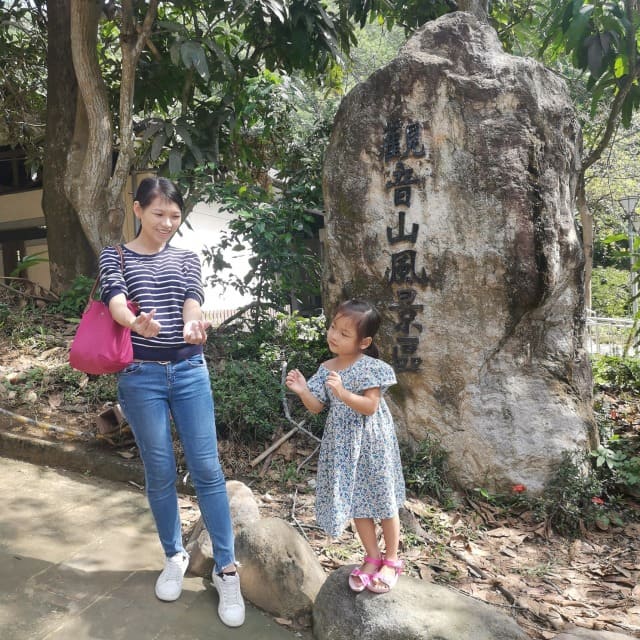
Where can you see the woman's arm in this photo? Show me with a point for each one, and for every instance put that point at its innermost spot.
(195, 328)
(142, 324)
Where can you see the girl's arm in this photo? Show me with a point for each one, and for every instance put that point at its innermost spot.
(366, 404)
(296, 382)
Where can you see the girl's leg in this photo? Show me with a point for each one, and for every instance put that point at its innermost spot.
(391, 535)
(192, 409)
(366, 529)
(142, 393)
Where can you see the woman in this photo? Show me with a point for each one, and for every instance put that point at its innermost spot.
(169, 379)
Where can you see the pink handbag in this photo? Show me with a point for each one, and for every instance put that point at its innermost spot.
(101, 345)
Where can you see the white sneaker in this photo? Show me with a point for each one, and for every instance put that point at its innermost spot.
(169, 582)
(231, 605)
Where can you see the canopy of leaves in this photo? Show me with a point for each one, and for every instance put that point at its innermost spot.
(23, 75)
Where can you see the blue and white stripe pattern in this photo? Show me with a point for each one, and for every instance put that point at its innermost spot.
(161, 281)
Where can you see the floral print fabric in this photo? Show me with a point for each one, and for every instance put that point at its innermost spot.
(359, 470)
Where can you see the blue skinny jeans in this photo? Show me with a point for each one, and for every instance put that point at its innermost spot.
(149, 394)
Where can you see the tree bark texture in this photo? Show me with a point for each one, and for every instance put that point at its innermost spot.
(586, 220)
(70, 253)
(132, 41)
(89, 168)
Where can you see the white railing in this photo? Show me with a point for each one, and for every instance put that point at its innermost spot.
(218, 316)
(609, 336)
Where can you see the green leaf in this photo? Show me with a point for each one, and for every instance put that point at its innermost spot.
(157, 145)
(621, 66)
(175, 162)
(151, 130)
(184, 134)
(174, 53)
(618, 237)
(193, 56)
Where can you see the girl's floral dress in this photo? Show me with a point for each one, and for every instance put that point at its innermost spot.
(359, 470)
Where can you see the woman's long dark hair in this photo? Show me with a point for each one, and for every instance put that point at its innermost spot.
(366, 319)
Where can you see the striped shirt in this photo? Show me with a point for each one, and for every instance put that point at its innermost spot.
(161, 281)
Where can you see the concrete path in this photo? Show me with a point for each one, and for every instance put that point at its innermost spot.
(79, 557)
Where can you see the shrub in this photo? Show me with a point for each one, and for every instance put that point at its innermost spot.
(610, 292)
(425, 469)
(247, 400)
(621, 373)
(571, 498)
(73, 301)
(248, 370)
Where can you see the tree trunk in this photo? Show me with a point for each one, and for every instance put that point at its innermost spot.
(89, 167)
(586, 219)
(70, 254)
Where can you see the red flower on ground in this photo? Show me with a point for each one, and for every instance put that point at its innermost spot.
(597, 500)
(518, 488)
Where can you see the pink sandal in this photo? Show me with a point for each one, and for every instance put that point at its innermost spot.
(388, 582)
(363, 577)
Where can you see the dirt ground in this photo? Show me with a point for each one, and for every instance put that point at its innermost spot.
(546, 582)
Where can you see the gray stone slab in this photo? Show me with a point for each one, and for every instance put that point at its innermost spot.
(79, 562)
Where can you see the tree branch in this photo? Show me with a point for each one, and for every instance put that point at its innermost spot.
(629, 80)
(132, 40)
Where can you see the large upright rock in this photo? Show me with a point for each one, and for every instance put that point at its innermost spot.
(449, 192)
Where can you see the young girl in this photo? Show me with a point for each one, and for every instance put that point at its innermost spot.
(359, 471)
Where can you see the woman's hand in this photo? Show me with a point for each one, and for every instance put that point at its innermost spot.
(145, 325)
(295, 381)
(195, 331)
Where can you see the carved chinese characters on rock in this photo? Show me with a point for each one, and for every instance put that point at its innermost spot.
(402, 147)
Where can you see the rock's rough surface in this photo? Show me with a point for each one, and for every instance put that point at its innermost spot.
(578, 633)
(414, 610)
(280, 572)
(244, 510)
(449, 191)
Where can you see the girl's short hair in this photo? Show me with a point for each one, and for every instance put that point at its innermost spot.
(151, 188)
(366, 319)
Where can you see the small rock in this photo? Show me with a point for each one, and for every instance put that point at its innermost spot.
(280, 572)
(15, 377)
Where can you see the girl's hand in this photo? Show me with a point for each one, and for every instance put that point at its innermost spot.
(195, 331)
(295, 381)
(145, 325)
(334, 382)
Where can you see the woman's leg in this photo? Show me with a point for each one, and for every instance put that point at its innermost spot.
(192, 409)
(142, 393)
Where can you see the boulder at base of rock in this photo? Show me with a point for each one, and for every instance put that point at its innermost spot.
(280, 572)
(413, 610)
(242, 503)
(244, 509)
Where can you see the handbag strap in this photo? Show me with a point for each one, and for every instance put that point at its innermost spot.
(118, 248)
